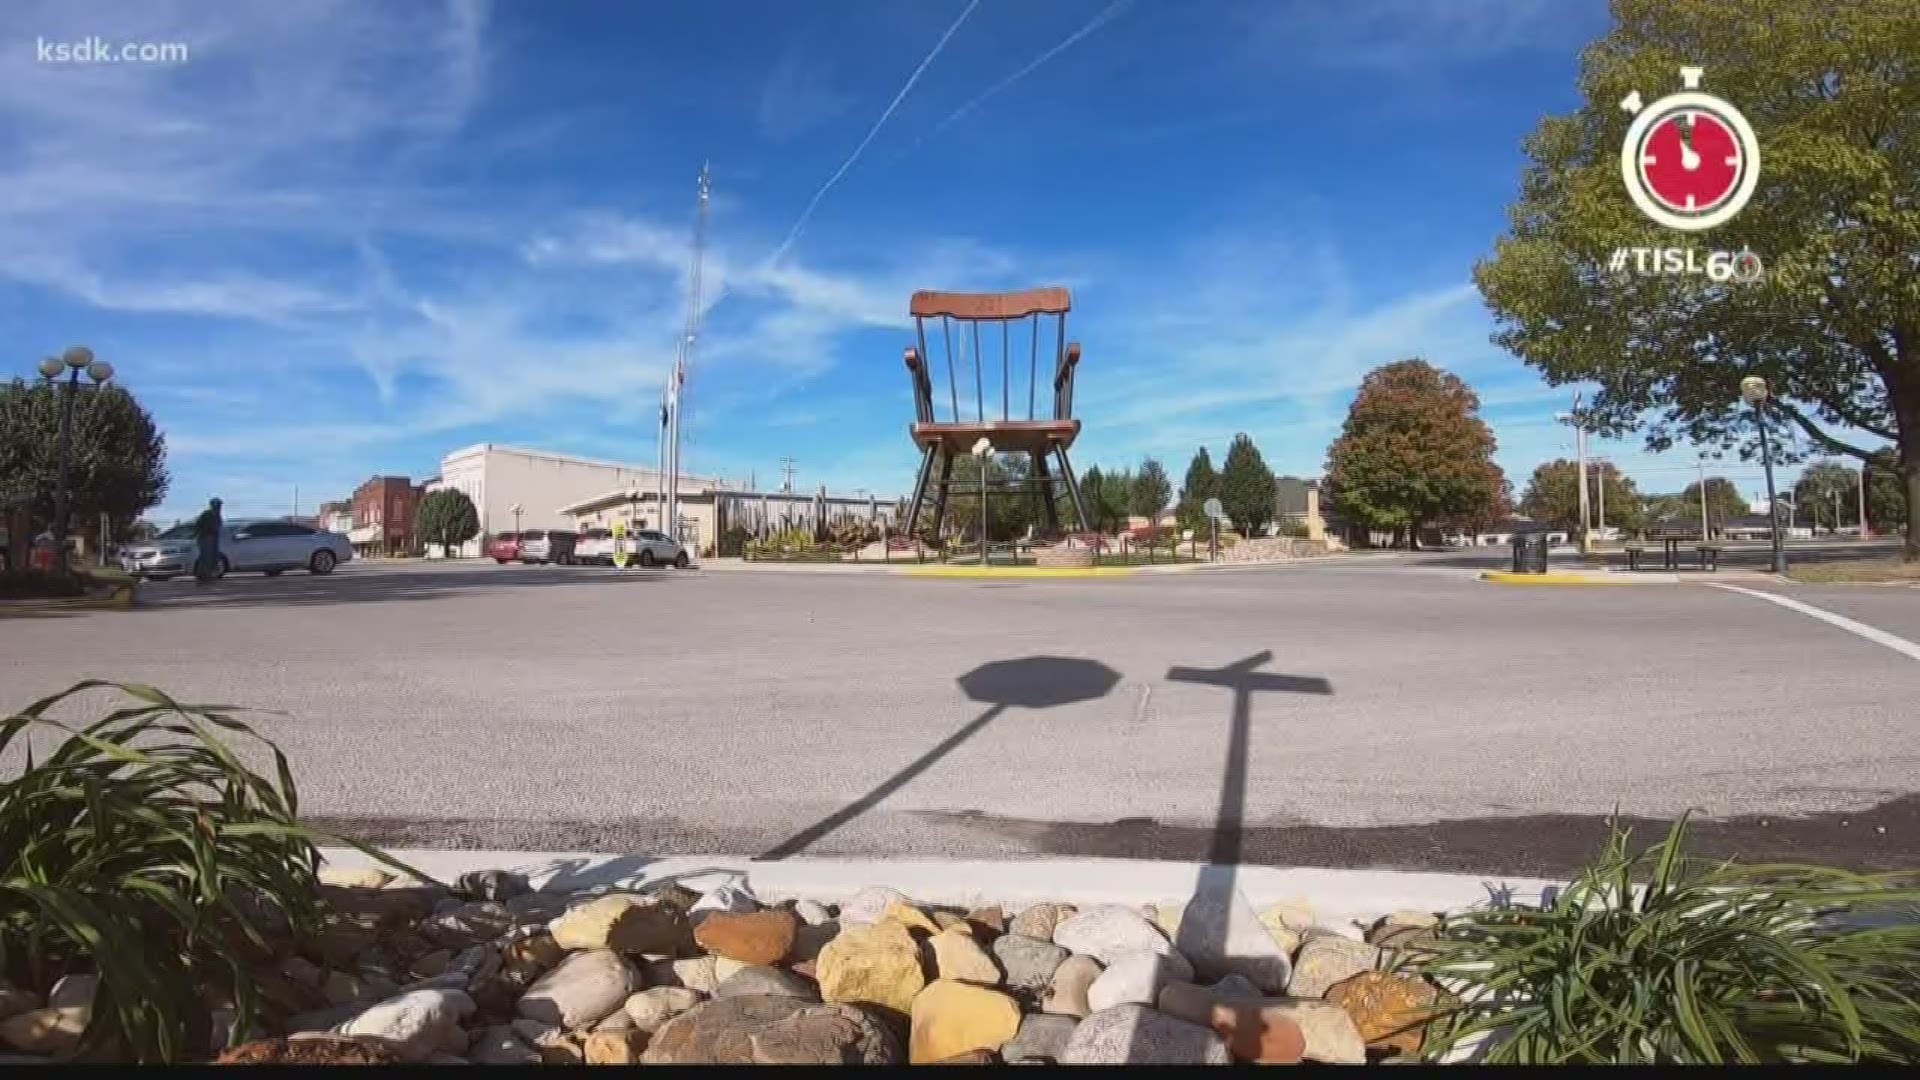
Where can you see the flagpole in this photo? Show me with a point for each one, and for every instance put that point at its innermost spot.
(677, 384)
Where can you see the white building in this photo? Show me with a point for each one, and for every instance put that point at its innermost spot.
(542, 483)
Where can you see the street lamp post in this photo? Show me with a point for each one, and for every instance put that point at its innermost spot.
(515, 509)
(1753, 389)
(75, 360)
(983, 449)
(1580, 453)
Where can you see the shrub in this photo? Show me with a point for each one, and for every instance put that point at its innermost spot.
(26, 584)
(1704, 963)
(143, 849)
(733, 542)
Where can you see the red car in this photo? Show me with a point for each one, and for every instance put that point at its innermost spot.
(504, 547)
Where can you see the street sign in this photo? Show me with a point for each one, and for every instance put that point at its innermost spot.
(1213, 509)
(621, 554)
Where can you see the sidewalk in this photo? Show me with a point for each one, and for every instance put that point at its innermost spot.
(1609, 576)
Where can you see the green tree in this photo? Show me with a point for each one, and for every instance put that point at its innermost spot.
(1886, 497)
(1151, 491)
(1107, 496)
(1553, 495)
(1414, 452)
(1827, 495)
(1202, 483)
(1246, 487)
(1012, 511)
(119, 457)
(1724, 501)
(1833, 93)
(446, 517)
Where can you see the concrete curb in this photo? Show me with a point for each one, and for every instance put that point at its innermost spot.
(1507, 577)
(122, 598)
(1017, 571)
(1340, 897)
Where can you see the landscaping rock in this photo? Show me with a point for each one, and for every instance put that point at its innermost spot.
(957, 956)
(468, 925)
(877, 964)
(1253, 1032)
(501, 1045)
(758, 980)
(14, 1002)
(623, 923)
(435, 962)
(811, 912)
(491, 885)
(1166, 918)
(1041, 1038)
(1040, 920)
(971, 1057)
(1235, 988)
(1403, 930)
(867, 905)
(947, 920)
(538, 908)
(1137, 1035)
(808, 940)
(989, 918)
(1029, 963)
(1331, 1037)
(446, 1059)
(1108, 931)
(74, 992)
(614, 1047)
(1388, 1010)
(724, 969)
(412, 1025)
(584, 989)
(952, 1018)
(1135, 979)
(534, 953)
(618, 1020)
(731, 897)
(1325, 960)
(1067, 994)
(653, 1007)
(1295, 914)
(697, 974)
(909, 916)
(46, 1030)
(304, 972)
(1220, 935)
(759, 937)
(354, 877)
(324, 1020)
(329, 1050)
(772, 1030)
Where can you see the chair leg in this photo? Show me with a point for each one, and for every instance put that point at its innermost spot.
(1049, 509)
(940, 496)
(1073, 488)
(919, 491)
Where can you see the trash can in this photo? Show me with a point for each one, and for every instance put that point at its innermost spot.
(1530, 553)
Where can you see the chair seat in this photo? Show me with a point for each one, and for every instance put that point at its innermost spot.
(1011, 436)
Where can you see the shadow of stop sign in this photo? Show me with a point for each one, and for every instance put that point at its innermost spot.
(1039, 682)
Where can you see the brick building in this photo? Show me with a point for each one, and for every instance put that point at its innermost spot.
(383, 516)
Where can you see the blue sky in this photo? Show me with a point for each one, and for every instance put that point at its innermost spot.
(345, 238)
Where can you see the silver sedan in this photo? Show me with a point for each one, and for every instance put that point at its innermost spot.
(268, 547)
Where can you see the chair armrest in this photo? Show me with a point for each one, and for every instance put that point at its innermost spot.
(922, 385)
(1064, 377)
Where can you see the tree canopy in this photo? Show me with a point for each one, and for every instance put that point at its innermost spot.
(1152, 490)
(1011, 512)
(1553, 495)
(1724, 501)
(1107, 496)
(1202, 483)
(1246, 487)
(1827, 495)
(1414, 452)
(119, 462)
(446, 517)
(1833, 94)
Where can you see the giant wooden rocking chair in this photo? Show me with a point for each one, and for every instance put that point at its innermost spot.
(949, 436)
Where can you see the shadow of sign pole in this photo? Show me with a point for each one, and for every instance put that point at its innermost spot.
(1205, 925)
(1031, 682)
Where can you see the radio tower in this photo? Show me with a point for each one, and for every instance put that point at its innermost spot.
(676, 384)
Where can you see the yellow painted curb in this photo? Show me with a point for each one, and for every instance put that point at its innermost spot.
(120, 599)
(1016, 571)
(1508, 577)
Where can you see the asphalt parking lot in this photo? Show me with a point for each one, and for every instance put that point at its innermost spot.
(1398, 713)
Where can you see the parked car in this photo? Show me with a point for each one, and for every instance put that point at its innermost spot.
(547, 546)
(270, 547)
(504, 548)
(594, 547)
(652, 548)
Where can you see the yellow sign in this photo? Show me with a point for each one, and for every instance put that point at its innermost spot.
(621, 554)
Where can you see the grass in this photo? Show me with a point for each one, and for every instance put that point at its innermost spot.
(1658, 958)
(1855, 570)
(144, 850)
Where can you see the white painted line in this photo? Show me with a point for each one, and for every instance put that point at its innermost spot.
(1871, 633)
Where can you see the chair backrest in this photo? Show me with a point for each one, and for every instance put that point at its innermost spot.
(975, 394)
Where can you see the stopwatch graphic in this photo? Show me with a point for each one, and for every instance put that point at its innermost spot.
(1690, 160)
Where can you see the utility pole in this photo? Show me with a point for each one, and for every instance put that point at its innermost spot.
(786, 473)
(1580, 452)
(1861, 476)
(676, 386)
(1704, 535)
(1600, 487)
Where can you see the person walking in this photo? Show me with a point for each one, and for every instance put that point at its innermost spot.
(206, 532)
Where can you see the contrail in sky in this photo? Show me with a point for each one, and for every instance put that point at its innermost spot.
(1106, 16)
(800, 223)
